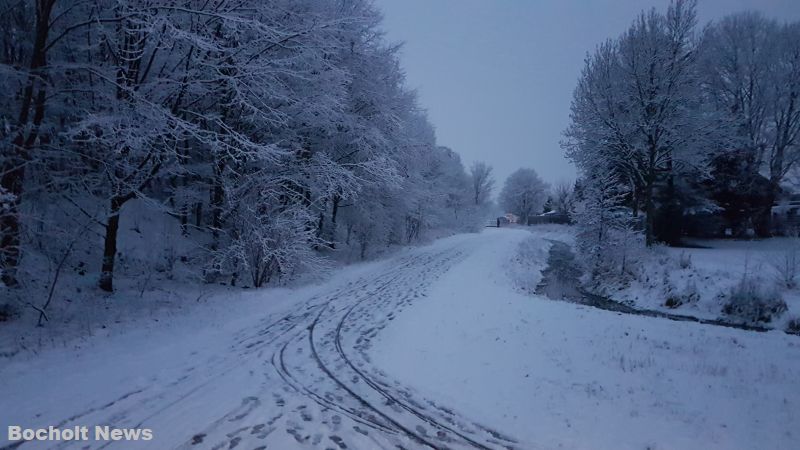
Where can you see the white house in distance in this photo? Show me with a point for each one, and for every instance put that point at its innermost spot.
(512, 218)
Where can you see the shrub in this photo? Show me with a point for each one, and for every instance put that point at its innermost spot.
(673, 301)
(689, 295)
(787, 266)
(793, 326)
(751, 304)
(269, 244)
(685, 260)
(7, 312)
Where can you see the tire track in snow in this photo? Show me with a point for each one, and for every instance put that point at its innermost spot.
(312, 362)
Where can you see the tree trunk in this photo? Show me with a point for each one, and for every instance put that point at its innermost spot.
(321, 224)
(764, 223)
(217, 197)
(635, 200)
(650, 210)
(198, 214)
(650, 207)
(110, 246)
(334, 212)
(184, 214)
(672, 215)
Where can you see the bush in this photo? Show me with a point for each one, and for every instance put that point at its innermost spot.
(689, 295)
(751, 304)
(793, 326)
(269, 244)
(787, 266)
(7, 312)
(685, 260)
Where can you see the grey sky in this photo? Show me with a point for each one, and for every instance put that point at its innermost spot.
(497, 76)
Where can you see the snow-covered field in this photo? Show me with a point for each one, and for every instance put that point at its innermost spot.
(436, 346)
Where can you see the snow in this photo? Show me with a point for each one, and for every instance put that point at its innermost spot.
(435, 345)
(274, 367)
(190, 360)
(711, 270)
(560, 375)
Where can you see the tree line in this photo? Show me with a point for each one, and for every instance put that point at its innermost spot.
(270, 131)
(670, 120)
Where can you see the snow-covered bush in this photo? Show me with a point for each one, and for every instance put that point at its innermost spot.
(685, 260)
(750, 302)
(269, 242)
(787, 265)
(677, 298)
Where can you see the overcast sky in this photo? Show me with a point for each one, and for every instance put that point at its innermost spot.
(496, 76)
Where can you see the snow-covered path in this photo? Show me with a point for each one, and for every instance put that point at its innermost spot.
(303, 379)
(435, 347)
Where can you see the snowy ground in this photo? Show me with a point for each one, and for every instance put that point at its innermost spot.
(559, 375)
(435, 347)
(710, 272)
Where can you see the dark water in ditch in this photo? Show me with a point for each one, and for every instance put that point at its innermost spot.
(560, 281)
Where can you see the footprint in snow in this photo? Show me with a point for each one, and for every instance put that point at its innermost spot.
(338, 441)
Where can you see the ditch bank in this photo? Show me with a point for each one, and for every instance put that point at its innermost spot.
(561, 281)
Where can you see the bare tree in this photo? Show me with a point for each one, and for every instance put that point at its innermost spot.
(482, 182)
(563, 197)
(783, 152)
(751, 70)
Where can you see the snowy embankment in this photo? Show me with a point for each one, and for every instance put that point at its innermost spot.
(703, 277)
(560, 375)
